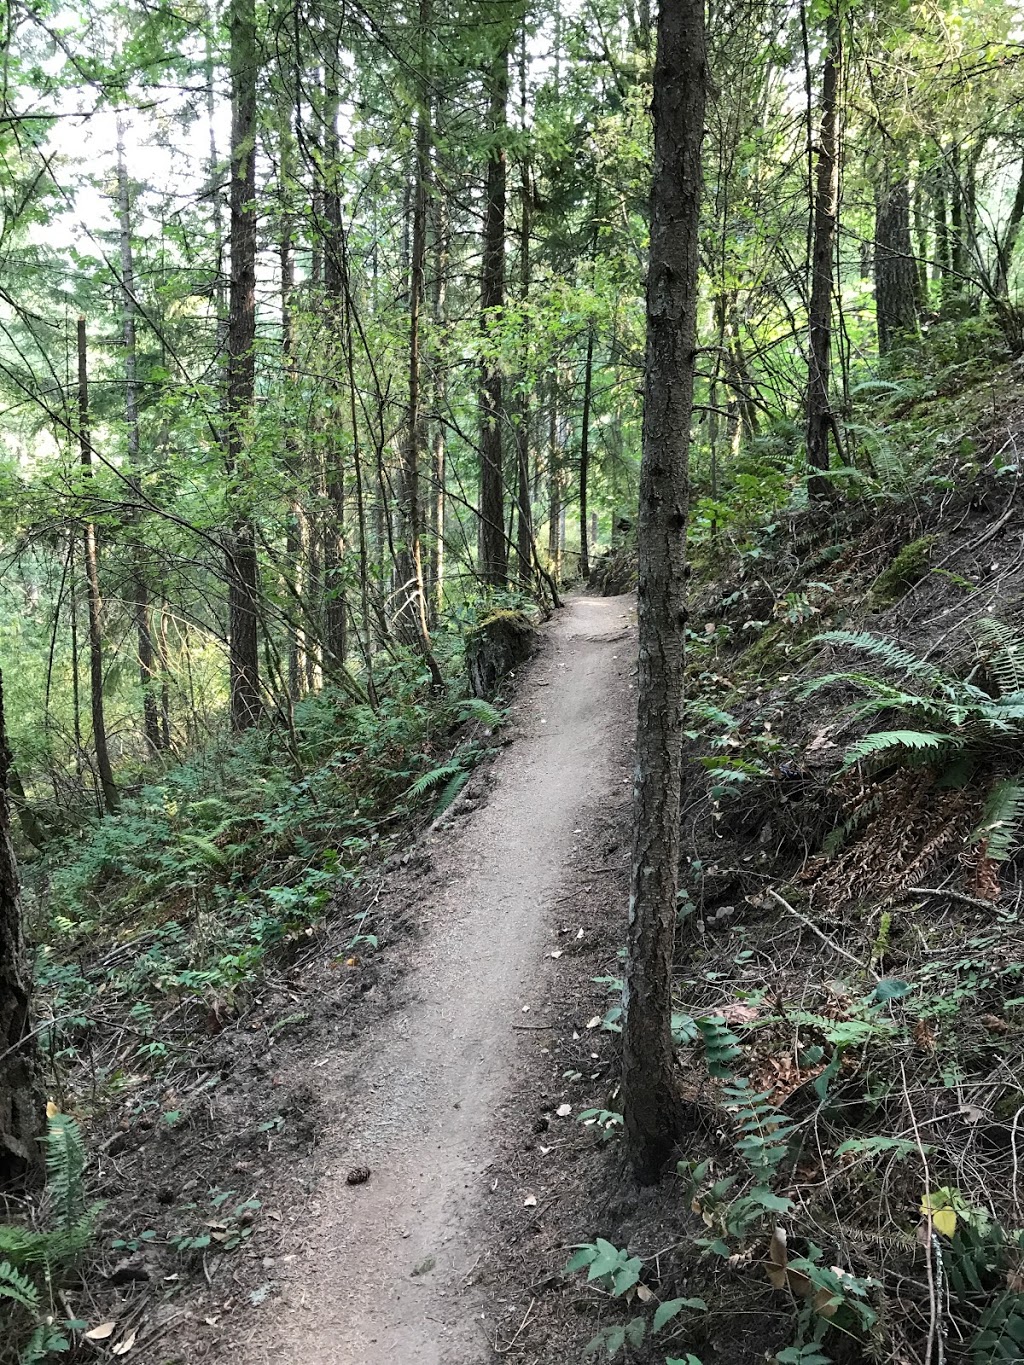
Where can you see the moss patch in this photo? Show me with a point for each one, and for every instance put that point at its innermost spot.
(908, 568)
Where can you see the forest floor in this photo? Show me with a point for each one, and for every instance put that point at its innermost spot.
(388, 1269)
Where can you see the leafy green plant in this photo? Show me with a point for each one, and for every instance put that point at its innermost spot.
(33, 1262)
(967, 726)
(617, 1273)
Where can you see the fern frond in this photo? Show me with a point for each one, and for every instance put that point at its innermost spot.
(425, 781)
(899, 743)
(208, 852)
(885, 651)
(1001, 819)
(840, 836)
(14, 1285)
(476, 708)
(65, 1164)
(449, 794)
(1002, 649)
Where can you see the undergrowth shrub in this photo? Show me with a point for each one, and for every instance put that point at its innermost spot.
(239, 852)
(33, 1262)
(961, 729)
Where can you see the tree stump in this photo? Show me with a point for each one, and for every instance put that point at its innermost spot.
(496, 647)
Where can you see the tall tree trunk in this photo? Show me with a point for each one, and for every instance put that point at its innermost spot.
(524, 523)
(242, 565)
(140, 587)
(410, 572)
(439, 309)
(1006, 246)
(554, 487)
(940, 272)
(819, 317)
(335, 289)
(493, 558)
(921, 293)
(22, 1103)
(92, 587)
(895, 267)
(588, 389)
(652, 1109)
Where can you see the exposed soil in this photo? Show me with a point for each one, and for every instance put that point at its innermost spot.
(383, 1270)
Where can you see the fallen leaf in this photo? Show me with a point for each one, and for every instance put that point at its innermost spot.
(530, 1202)
(778, 1260)
(557, 954)
(593, 1023)
(738, 1014)
(544, 1150)
(124, 1345)
(564, 1110)
(100, 1333)
(52, 1110)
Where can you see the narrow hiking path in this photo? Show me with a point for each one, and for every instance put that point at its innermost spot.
(377, 1272)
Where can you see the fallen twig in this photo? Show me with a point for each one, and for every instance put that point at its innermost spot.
(836, 948)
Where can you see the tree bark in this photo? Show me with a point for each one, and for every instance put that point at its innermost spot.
(493, 558)
(140, 587)
(895, 266)
(524, 522)
(242, 564)
(410, 560)
(819, 318)
(653, 1111)
(588, 389)
(22, 1103)
(336, 287)
(92, 587)
(554, 487)
(435, 578)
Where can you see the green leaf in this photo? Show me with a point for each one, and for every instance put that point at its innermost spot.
(671, 1308)
(891, 988)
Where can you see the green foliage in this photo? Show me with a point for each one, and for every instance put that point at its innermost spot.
(971, 727)
(33, 1262)
(907, 568)
(612, 1269)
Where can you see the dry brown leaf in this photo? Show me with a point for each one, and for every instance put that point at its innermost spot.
(100, 1333)
(124, 1345)
(778, 1260)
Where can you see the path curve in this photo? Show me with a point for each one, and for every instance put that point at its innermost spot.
(379, 1276)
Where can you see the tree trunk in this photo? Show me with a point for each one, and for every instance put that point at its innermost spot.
(588, 389)
(336, 290)
(493, 559)
(819, 317)
(921, 294)
(439, 394)
(140, 588)
(22, 1103)
(242, 565)
(524, 523)
(652, 1109)
(940, 273)
(554, 488)
(410, 571)
(1007, 245)
(92, 586)
(295, 548)
(895, 267)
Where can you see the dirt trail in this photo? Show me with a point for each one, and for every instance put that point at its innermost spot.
(377, 1272)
